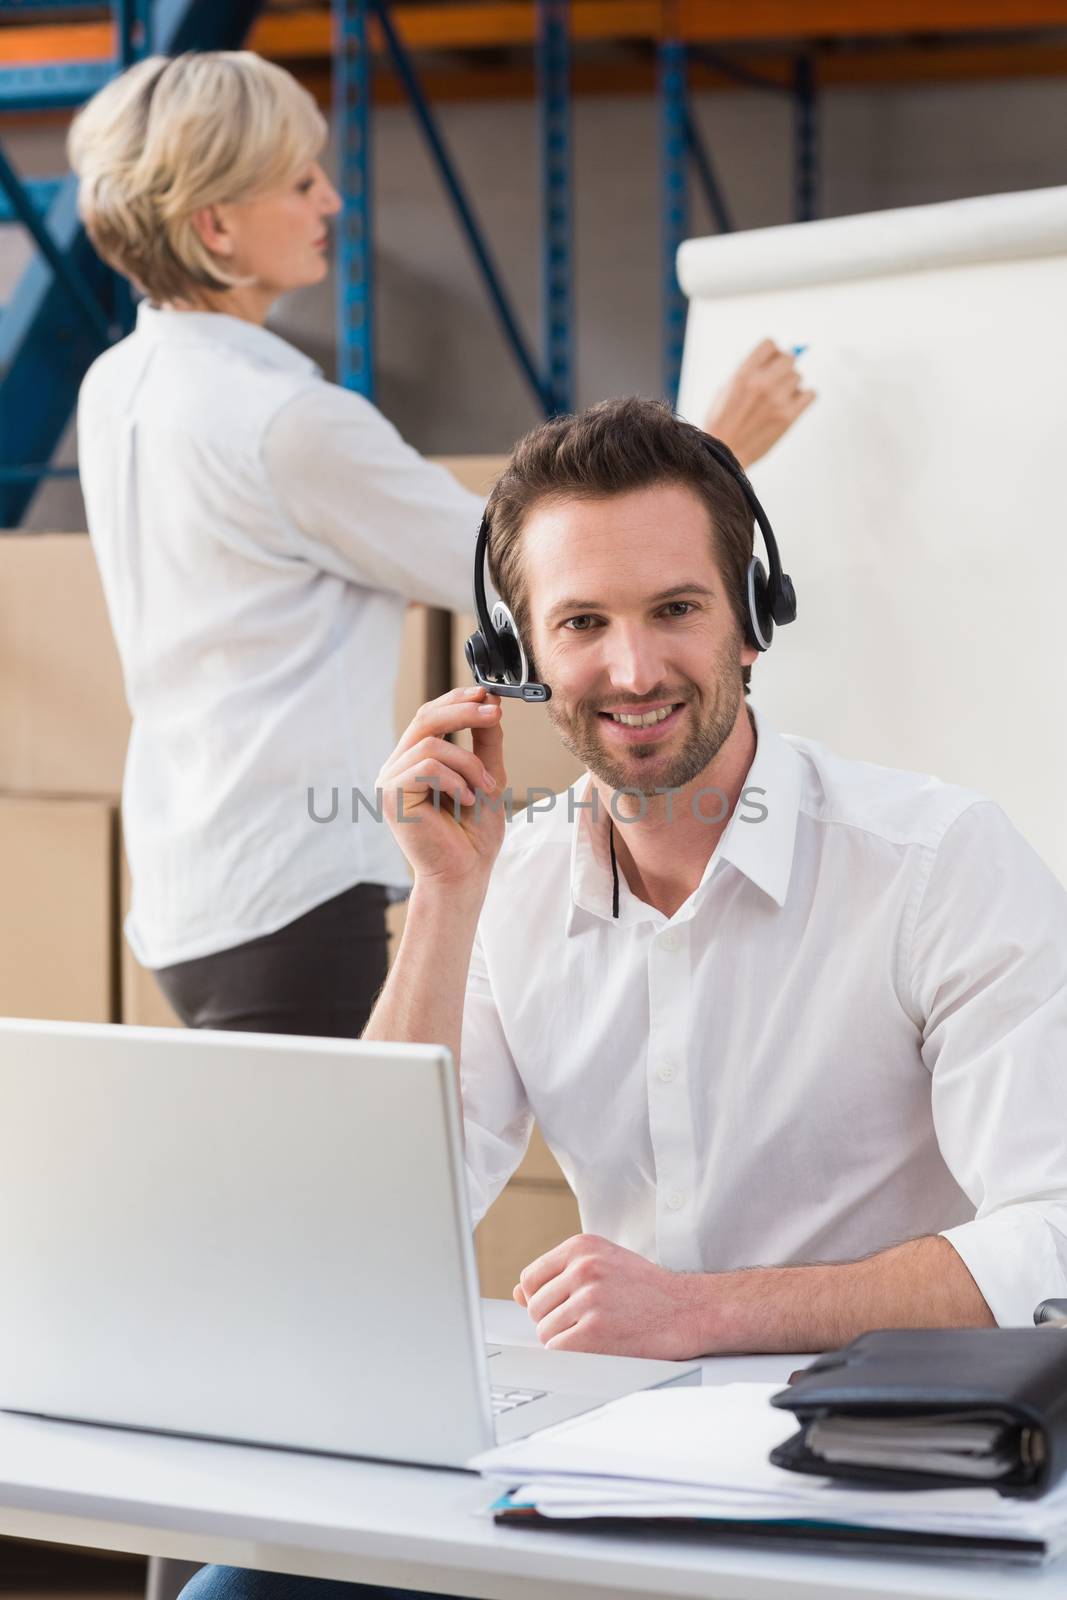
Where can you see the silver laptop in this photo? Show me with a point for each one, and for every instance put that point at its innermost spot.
(257, 1238)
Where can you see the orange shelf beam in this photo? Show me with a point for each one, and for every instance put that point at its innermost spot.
(71, 41)
(305, 33)
(518, 82)
(707, 21)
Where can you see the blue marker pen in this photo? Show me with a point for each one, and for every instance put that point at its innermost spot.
(799, 349)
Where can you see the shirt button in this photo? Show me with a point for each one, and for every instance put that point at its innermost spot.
(665, 1071)
(669, 941)
(675, 1201)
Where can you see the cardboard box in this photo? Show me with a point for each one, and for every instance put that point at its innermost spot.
(538, 1165)
(64, 724)
(142, 1000)
(525, 1220)
(63, 718)
(58, 944)
(476, 473)
(64, 727)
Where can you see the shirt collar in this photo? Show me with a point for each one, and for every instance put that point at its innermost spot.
(758, 846)
(216, 327)
(763, 849)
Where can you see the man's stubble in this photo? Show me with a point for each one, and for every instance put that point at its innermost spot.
(716, 712)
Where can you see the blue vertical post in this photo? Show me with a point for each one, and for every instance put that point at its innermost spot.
(557, 315)
(352, 75)
(133, 22)
(126, 27)
(66, 272)
(675, 201)
(805, 139)
(705, 171)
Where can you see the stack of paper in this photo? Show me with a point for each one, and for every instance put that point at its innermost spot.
(702, 1453)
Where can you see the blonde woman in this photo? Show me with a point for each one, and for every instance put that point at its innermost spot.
(259, 532)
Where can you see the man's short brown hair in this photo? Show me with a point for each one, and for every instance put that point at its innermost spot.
(613, 448)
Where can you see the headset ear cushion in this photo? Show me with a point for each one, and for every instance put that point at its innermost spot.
(512, 655)
(785, 610)
(477, 655)
(760, 620)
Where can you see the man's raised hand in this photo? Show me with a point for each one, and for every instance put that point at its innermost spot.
(444, 804)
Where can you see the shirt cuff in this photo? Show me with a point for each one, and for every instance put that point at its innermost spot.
(1017, 1257)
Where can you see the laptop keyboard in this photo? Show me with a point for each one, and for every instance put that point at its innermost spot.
(507, 1399)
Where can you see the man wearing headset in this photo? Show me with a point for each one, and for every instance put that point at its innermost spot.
(794, 1026)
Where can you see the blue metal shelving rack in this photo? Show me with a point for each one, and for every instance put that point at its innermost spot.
(353, 123)
(557, 233)
(550, 384)
(67, 306)
(681, 144)
(673, 111)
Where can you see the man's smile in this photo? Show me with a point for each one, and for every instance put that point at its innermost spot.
(642, 724)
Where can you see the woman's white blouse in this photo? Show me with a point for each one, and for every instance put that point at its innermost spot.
(259, 532)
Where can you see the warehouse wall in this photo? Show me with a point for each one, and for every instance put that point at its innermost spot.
(445, 376)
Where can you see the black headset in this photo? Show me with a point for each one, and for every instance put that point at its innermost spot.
(495, 652)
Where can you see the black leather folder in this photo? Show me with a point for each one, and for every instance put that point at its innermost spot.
(1015, 1378)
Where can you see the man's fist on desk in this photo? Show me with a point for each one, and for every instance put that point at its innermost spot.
(590, 1294)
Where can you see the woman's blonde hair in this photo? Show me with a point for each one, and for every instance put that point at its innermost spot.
(172, 135)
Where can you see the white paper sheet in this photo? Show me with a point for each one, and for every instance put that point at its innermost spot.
(704, 1453)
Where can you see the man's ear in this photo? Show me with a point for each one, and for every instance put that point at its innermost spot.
(212, 231)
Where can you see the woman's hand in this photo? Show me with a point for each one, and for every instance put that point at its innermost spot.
(764, 397)
(444, 804)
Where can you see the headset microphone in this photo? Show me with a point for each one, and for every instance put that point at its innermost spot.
(495, 652)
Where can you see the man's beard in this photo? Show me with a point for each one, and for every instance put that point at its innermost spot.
(717, 713)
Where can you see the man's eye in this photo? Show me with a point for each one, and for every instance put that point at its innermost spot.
(679, 608)
(580, 624)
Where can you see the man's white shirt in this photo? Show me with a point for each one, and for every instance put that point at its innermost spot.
(259, 532)
(853, 1032)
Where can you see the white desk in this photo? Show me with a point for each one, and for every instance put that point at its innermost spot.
(411, 1527)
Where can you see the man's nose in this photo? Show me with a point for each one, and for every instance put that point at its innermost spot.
(634, 659)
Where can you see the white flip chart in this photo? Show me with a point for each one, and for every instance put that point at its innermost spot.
(920, 503)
